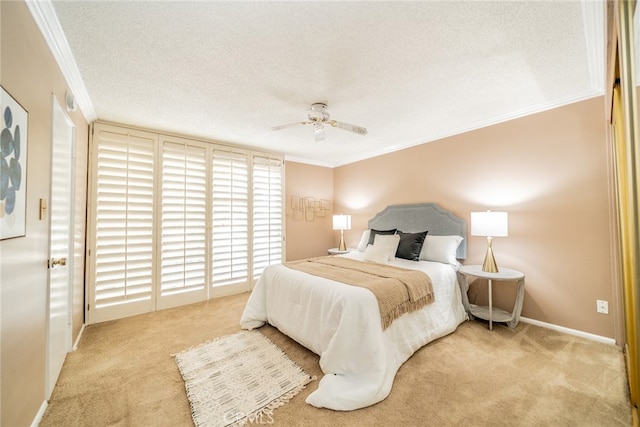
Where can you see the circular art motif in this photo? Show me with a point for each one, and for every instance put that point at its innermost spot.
(8, 117)
(10, 169)
(10, 201)
(16, 142)
(16, 173)
(6, 142)
(4, 178)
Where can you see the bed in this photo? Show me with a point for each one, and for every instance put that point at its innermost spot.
(341, 323)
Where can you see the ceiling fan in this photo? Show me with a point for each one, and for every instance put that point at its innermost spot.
(319, 117)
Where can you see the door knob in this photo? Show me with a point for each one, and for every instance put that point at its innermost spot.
(54, 262)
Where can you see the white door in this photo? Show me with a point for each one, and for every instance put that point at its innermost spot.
(60, 243)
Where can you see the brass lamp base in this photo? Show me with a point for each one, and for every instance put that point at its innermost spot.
(489, 264)
(342, 246)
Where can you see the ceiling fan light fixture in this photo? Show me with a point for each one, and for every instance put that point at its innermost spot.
(319, 116)
(318, 112)
(318, 131)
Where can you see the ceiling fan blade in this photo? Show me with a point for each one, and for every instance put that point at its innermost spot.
(289, 125)
(346, 126)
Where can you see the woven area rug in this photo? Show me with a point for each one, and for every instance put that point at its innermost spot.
(237, 379)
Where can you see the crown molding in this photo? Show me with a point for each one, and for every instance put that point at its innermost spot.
(535, 109)
(307, 161)
(593, 25)
(47, 20)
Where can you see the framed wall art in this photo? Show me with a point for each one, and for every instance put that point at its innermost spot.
(13, 167)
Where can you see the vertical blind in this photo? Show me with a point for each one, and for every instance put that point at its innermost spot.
(215, 211)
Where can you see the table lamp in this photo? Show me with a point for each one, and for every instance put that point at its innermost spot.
(342, 222)
(489, 224)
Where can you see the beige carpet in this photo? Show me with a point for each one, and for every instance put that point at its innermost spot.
(123, 374)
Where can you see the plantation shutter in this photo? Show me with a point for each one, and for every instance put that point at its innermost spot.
(230, 217)
(267, 212)
(122, 267)
(183, 224)
(173, 221)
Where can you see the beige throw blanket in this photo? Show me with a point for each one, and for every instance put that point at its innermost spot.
(397, 290)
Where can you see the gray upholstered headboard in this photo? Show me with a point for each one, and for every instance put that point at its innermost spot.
(413, 218)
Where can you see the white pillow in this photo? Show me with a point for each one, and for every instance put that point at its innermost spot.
(364, 240)
(440, 249)
(379, 254)
(388, 241)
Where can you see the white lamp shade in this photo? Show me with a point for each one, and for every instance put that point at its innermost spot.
(490, 224)
(342, 222)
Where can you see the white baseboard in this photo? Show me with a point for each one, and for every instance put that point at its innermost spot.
(569, 331)
(40, 414)
(75, 344)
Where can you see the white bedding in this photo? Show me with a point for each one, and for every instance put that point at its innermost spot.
(341, 323)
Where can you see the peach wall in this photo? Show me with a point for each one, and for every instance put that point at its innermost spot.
(31, 75)
(548, 170)
(305, 239)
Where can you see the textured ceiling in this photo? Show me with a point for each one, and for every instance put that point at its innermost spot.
(410, 72)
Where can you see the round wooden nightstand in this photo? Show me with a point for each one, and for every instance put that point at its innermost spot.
(489, 313)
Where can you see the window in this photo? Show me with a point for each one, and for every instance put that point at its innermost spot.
(267, 212)
(230, 216)
(184, 219)
(215, 212)
(123, 220)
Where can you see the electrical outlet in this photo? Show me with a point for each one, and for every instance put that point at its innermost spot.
(602, 306)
